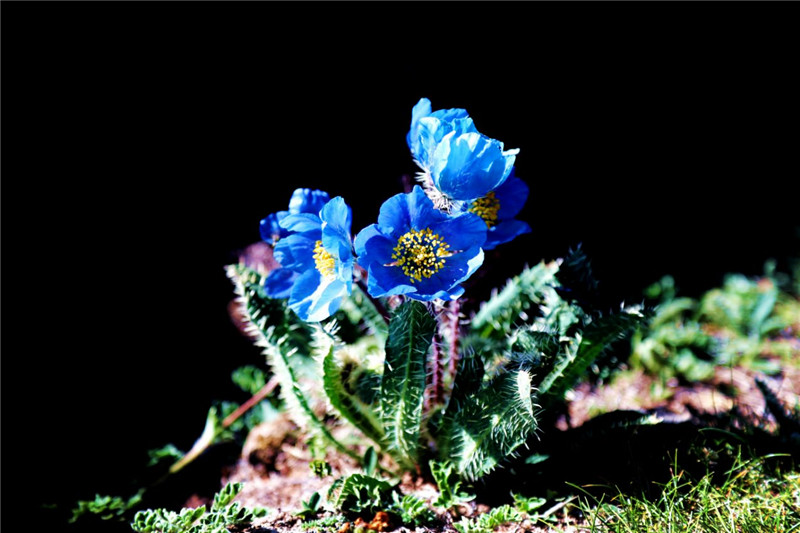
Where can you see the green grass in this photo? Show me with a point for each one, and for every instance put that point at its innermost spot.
(754, 496)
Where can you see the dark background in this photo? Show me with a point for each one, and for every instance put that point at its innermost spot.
(143, 143)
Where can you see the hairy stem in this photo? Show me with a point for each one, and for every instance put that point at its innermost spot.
(455, 332)
(435, 395)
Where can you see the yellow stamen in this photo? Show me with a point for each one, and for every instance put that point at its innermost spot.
(486, 208)
(420, 254)
(324, 261)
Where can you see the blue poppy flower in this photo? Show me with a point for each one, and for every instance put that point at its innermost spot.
(419, 251)
(429, 127)
(302, 201)
(460, 162)
(498, 208)
(316, 260)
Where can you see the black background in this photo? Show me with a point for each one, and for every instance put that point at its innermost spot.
(143, 142)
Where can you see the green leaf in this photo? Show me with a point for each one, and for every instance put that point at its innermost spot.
(283, 337)
(490, 426)
(106, 507)
(403, 383)
(349, 406)
(249, 378)
(498, 315)
(370, 461)
(359, 493)
(226, 495)
(449, 485)
(576, 357)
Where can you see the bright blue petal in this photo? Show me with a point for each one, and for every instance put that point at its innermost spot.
(387, 281)
(301, 223)
(428, 128)
(270, 228)
(372, 246)
(468, 166)
(421, 212)
(315, 298)
(462, 231)
(301, 298)
(296, 252)
(337, 217)
(512, 195)
(279, 283)
(307, 201)
(422, 109)
(431, 132)
(504, 232)
(393, 217)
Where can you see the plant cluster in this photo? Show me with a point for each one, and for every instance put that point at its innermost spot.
(753, 322)
(223, 514)
(368, 330)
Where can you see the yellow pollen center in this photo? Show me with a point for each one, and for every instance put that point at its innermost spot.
(324, 261)
(486, 208)
(420, 254)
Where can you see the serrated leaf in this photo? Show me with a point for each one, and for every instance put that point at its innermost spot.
(576, 357)
(348, 405)
(498, 314)
(491, 425)
(403, 383)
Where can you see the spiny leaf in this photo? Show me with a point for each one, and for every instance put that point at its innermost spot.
(576, 357)
(505, 308)
(492, 424)
(280, 342)
(576, 282)
(403, 383)
(349, 405)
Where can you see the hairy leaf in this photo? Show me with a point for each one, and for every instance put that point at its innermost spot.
(403, 383)
(575, 359)
(498, 315)
(492, 424)
(276, 333)
(349, 406)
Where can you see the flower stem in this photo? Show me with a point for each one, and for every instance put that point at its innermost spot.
(455, 332)
(436, 394)
(262, 393)
(207, 438)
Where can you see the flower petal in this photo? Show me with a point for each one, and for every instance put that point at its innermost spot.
(270, 228)
(504, 232)
(307, 201)
(393, 217)
(296, 252)
(462, 231)
(301, 223)
(372, 246)
(279, 283)
(512, 195)
(470, 165)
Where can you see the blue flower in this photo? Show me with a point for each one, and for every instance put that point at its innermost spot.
(302, 201)
(460, 162)
(428, 128)
(498, 209)
(419, 251)
(316, 260)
